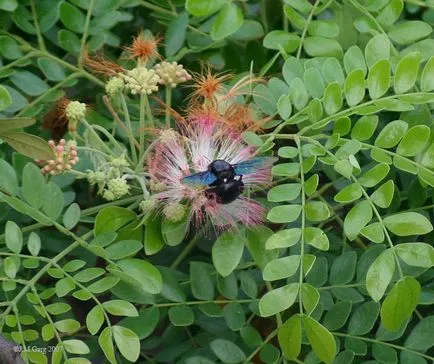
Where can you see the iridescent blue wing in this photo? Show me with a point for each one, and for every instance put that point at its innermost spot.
(201, 178)
(253, 165)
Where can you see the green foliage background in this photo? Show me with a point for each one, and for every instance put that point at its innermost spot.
(342, 273)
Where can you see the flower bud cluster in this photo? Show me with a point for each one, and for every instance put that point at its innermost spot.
(116, 188)
(141, 81)
(157, 186)
(75, 111)
(147, 206)
(171, 74)
(111, 178)
(114, 86)
(65, 156)
(175, 212)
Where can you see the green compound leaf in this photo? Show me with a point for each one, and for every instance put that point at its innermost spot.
(400, 303)
(181, 315)
(5, 98)
(391, 134)
(383, 196)
(72, 17)
(281, 268)
(284, 214)
(406, 72)
(408, 32)
(13, 237)
(203, 8)
(283, 239)
(227, 351)
(354, 87)
(127, 342)
(416, 254)
(227, 252)
(228, 21)
(380, 274)
(278, 299)
(427, 81)
(322, 341)
(357, 218)
(414, 141)
(421, 337)
(408, 223)
(289, 336)
(29, 145)
(379, 78)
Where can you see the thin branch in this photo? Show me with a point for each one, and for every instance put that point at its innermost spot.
(85, 33)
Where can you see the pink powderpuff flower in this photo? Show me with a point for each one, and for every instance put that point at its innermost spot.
(203, 139)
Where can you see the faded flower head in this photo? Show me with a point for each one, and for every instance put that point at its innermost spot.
(114, 86)
(171, 74)
(207, 85)
(203, 139)
(102, 66)
(144, 47)
(65, 156)
(140, 80)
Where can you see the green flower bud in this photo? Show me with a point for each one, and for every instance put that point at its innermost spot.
(95, 177)
(108, 195)
(114, 86)
(75, 111)
(175, 212)
(157, 186)
(119, 162)
(119, 187)
(147, 206)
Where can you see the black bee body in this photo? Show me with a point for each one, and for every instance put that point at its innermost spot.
(225, 180)
(228, 185)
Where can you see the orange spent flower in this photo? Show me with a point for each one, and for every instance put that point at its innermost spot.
(56, 120)
(240, 117)
(100, 65)
(144, 47)
(207, 84)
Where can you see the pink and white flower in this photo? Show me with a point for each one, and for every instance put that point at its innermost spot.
(205, 137)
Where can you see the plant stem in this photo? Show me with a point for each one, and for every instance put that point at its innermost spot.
(85, 33)
(142, 124)
(402, 348)
(130, 129)
(46, 93)
(50, 320)
(168, 105)
(263, 11)
(41, 43)
(303, 222)
(191, 303)
(258, 349)
(87, 212)
(308, 20)
(186, 251)
(157, 8)
(95, 134)
(36, 278)
(148, 112)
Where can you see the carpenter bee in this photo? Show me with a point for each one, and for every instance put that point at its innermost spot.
(225, 180)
